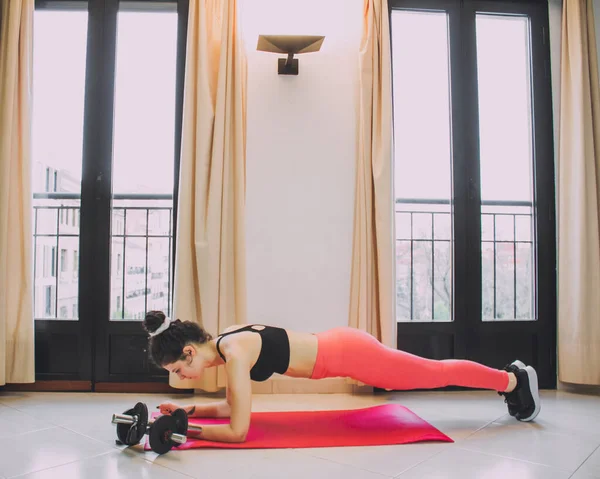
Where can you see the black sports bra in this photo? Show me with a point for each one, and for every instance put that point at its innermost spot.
(274, 354)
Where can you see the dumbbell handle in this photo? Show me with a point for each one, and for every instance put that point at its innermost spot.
(123, 419)
(126, 419)
(178, 438)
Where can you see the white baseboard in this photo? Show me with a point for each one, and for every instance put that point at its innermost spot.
(287, 385)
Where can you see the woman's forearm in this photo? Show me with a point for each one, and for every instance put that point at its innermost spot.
(219, 433)
(213, 409)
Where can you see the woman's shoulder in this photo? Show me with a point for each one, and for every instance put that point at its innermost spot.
(233, 328)
(231, 345)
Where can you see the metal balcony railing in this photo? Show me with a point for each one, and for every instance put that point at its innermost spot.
(423, 255)
(141, 255)
(424, 259)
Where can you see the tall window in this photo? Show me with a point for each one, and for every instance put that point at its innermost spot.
(423, 170)
(506, 159)
(144, 150)
(108, 79)
(485, 191)
(59, 65)
(143, 157)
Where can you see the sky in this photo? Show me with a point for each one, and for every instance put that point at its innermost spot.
(422, 106)
(145, 102)
(144, 97)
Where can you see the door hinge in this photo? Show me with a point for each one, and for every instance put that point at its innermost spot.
(544, 35)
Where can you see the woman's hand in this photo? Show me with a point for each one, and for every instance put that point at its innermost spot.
(168, 408)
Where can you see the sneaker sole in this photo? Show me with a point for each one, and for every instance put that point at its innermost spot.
(521, 365)
(533, 386)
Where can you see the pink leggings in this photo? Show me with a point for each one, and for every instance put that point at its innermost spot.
(352, 353)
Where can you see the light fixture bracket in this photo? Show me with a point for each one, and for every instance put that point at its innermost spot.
(290, 45)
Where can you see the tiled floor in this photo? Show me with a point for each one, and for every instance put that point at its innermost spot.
(58, 435)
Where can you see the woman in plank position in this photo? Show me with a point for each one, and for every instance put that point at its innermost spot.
(255, 352)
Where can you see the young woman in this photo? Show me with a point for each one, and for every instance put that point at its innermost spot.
(255, 352)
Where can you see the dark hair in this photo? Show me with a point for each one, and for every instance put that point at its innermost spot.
(167, 347)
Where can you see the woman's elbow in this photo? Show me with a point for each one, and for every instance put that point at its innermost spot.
(239, 436)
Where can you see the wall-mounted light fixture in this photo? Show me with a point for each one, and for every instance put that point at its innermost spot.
(290, 45)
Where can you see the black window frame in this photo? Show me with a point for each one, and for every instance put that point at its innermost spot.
(466, 200)
(94, 217)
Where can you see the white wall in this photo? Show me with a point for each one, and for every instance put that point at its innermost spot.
(301, 161)
(300, 164)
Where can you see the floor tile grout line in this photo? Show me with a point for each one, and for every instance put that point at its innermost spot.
(480, 429)
(65, 428)
(118, 448)
(12, 407)
(152, 463)
(37, 418)
(555, 433)
(68, 428)
(584, 461)
(476, 451)
(564, 434)
(514, 459)
(60, 465)
(13, 434)
(53, 425)
(299, 451)
(87, 457)
(113, 448)
(57, 425)
(113, 445)
(456, 443)
(267, 458)
(419, 463)
(399, 476)
(133, 458)
(29, 432)
(460, 442)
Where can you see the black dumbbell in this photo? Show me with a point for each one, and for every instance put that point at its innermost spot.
(170, 431)
(182, 422)
(131, 425)
(165, 432)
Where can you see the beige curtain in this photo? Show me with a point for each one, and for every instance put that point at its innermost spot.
(210, 270)
(16, 314)
(372, 274)
(579, 199)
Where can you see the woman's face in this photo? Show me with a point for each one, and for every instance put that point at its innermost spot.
(190, 367)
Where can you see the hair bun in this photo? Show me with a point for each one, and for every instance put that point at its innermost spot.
(153, 320)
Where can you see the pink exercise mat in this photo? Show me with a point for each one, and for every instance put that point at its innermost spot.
(373, 426)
